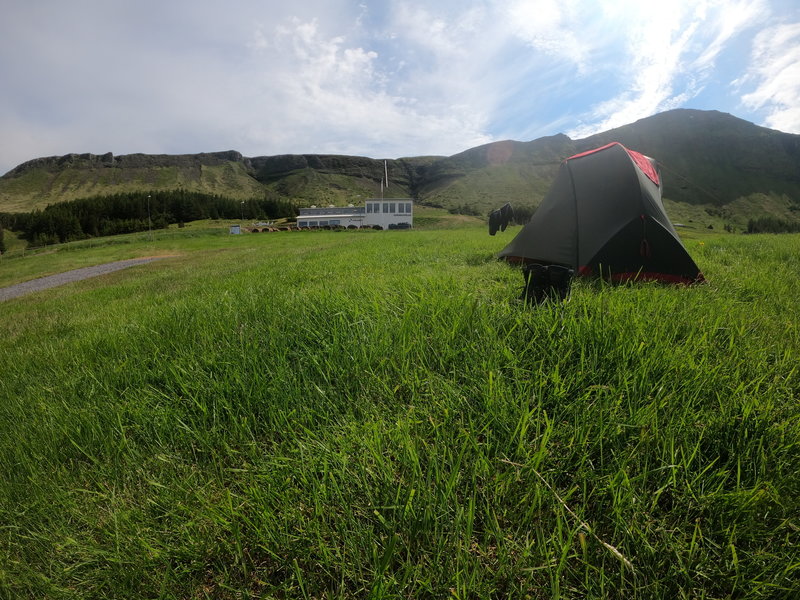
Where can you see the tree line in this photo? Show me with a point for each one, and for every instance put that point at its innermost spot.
(135, 211)
(772, 225)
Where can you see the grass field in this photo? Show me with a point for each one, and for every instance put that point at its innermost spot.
(374, 414)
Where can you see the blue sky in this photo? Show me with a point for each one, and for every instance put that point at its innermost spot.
(382, 79)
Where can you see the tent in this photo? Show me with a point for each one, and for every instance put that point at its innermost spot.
(604, 216)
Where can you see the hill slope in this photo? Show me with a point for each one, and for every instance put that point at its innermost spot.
(713, 164)
(43, 181)
(716, 155)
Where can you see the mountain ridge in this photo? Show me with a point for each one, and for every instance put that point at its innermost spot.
(709, 159)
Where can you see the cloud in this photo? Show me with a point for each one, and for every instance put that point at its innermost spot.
(264, 79)
(726, 24)
(340, 97)
(383, 79)
(549, 26)
(670, 50)
(775, 71)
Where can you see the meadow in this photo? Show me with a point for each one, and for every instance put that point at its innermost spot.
(376, 414)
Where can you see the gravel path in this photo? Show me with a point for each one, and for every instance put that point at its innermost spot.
(42, 283)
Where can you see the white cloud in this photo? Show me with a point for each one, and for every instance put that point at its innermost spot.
(550, 27)
(331, 96)
(264, 79)
(775, 70)
(726, 24)
(448, 56)
(670, 51)
(382, 79)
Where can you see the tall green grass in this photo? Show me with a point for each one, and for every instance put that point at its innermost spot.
(338, 415)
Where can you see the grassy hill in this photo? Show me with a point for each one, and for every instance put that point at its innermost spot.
(717, 168)
(338, 180)
(713, 157)
(730, 169)
(44, 181)
(488, 176)
(373, 414)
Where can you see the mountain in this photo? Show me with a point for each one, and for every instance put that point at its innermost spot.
(712, 157)
(43, 181)
(715, 167)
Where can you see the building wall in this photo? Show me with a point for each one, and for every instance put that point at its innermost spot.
(384, 212)
(389, 211)
(334, 220)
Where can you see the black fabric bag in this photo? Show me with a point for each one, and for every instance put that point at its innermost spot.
(546, 282)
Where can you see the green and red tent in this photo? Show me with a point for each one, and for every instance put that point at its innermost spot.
(604, 216)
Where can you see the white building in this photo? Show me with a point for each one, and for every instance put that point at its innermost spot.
(384, 213)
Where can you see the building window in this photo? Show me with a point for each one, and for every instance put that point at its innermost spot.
(408, 207)
(385, 207)
(312, 224)
(391, 207)
(334, 222)
(369, 207)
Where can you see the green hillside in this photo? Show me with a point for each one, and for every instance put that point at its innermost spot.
(717, 170)
(714, 166)
(711, 156)
(40, 182)
(485, 177)
(339, 180)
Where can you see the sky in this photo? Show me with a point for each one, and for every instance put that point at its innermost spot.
(383, 79)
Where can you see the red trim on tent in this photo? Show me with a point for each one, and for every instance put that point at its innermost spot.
(586, 271)
(640, 159)
(644, 164)
(588, 152)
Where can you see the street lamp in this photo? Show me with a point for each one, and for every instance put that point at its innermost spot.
(242, 212)
(149, 221)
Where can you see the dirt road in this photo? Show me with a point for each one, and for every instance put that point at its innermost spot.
(43, 283)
